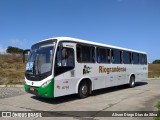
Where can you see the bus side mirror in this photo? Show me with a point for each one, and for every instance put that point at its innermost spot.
(26, 53)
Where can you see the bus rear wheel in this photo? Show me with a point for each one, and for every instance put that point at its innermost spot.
(132, 82)
(83, 90)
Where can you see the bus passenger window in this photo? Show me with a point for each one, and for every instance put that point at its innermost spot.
(103, 55)
(121, 57)
(93, 54)
(135, 58)
(116, 58)
(85, 53)
(112, 57)
(127, 57)
(79, 57)
(141, 59)
(145, 59)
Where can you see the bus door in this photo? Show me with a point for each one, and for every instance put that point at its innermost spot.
(64, 70)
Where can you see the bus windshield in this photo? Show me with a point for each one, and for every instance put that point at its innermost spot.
(40, 59)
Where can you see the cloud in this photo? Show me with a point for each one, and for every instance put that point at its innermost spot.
(17, 42)
(2, 50)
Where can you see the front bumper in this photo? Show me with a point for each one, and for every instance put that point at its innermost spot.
(47, 91)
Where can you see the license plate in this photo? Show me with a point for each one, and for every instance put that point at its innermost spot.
(31, 89)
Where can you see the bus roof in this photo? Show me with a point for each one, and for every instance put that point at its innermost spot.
(70, 39)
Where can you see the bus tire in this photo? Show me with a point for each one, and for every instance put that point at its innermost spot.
(83, 90)
(132, 82)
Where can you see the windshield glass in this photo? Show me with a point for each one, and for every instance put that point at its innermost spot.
(40, 59)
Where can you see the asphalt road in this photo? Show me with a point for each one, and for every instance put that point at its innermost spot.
(11, 91)
(143, 97)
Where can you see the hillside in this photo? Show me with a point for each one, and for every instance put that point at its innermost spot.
(12, 70)
(153, 70)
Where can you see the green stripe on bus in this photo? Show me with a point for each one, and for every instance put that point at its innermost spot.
(47, 91)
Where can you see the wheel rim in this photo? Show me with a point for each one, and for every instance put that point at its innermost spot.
(84, 89)
(132, 83)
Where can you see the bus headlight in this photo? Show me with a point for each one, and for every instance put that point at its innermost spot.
(46, 83)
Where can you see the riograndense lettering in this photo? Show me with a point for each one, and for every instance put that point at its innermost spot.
(103, 69)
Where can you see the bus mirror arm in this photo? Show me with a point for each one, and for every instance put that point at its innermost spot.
(24, 53)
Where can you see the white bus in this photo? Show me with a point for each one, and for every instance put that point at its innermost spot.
(62, 65)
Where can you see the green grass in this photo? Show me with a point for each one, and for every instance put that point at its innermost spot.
(157, 118)
(158, 106)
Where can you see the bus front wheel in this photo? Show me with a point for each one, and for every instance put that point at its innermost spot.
(132, 81)
(83, 90)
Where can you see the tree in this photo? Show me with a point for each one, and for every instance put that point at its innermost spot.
(156, 62)
(14, 50)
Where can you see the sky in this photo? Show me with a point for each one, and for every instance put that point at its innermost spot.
(133, 24)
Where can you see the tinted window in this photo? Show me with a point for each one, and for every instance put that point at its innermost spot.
(116, 57)
(135, 58)
(65, 57)
(64, 60)
(143, 59)
(85, 53)
(126, 57)
(103, 55)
